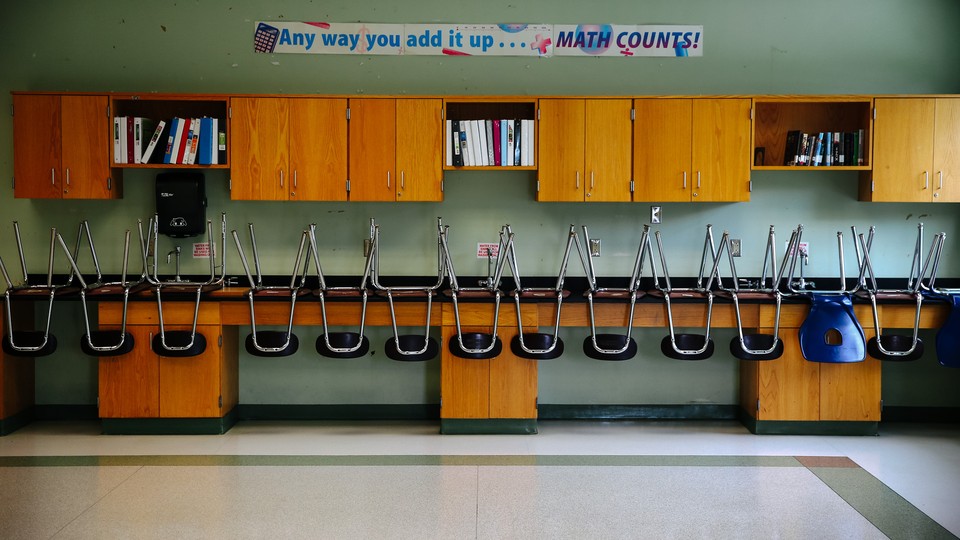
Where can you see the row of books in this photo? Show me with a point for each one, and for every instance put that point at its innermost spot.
(490, 143)
(824, 149)
(187, 141)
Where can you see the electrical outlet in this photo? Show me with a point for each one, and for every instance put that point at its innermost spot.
(655, 215)
(735, 247)
(594, 247)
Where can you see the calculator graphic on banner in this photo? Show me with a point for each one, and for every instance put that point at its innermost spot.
(265, 38)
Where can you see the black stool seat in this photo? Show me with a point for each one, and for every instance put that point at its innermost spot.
(687, 342)
(110, 342)
(411, 342)
(756, 342)
(537, 341)
(895, 343)
(271, 339)
(343, 340)
(475, 340)
(179, 339)
(610, 342)
(30, 340)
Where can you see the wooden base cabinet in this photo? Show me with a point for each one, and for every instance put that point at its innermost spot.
(17, 381)
(793, 395)
(498, 395)
(144, 385)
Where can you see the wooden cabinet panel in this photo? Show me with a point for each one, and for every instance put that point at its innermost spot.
(419, 149)
(259, 134)
(318, 149)
(513, 383)
(86, 148)
(903, 143)
(36, 148)
(464, 383)
(190, 387)
(561, 150)
(129, 385)
(721, 150)
(607, 150)
(789, 387)
(372, 149)
(661, 150)
(946, 158)
(851, 391)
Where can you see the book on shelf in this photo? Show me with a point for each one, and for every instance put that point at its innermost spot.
(153, 142)
(181, 145)
(118, 154)
(172, 139)
(791, 151)
(827, 149)
(503, 142)
(143, 129)
(517, 141)
(448, 143)
(481, 130)
(479, 157)
(528, 146)
(495, 134)
(489, 127)
(511, 143)
(221, 143)
(860, 146)
(466, 142)
(205, 146)
(191, 154)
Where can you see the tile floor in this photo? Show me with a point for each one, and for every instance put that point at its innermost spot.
(403, 480)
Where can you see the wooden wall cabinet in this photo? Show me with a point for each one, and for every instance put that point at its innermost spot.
(289, 149)
(584, 149)
(61, 147)
(396, 149)
(914, 148)
(691, 150)
(141, 384)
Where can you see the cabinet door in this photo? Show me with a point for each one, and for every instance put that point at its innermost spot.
(661, 150)
(560, 171)
(129, 385)
(36, 147)
(85, 128)
(464, 383)
(607, 150)
(721, 152)
(903, 150)
(318, 149)
(373, 149)
(851, 392)
(946, 158)
(190, 387)
(513, 382)
(789, 387)
(419, 149)
(259, 131)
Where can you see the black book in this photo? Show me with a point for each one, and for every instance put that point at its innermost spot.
(791, 152)
(457, 151)
(517, 138)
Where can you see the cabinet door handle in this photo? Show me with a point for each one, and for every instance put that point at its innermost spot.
(926, 179)
(684, 179)
(281, 177)
(940, 181)
(294, 179)
(578, 179)
(698, 179)
(592, 183)
(401, 180)
(388, 179)
(53, 176)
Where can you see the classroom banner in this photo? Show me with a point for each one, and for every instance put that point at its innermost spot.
(477, 39)
(627, 40)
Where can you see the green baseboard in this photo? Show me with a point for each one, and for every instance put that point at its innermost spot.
(14, 422)
(414, 411)
(812, 427)
(943, 415)
(65, 412)
(488, 426)
(637, 412)
(169, 426)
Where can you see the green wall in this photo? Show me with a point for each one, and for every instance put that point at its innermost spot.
(777, 47)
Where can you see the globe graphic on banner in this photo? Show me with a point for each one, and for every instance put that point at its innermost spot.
(590, 45)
